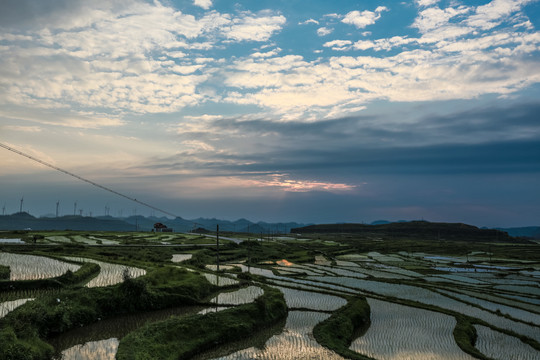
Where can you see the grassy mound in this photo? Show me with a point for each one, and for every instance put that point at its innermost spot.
(180, 338)
(465, 336)
(24, 330)
(337, 332)
(4, 272)
(86, 272)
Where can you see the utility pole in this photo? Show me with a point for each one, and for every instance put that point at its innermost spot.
(217, 245)
(249, 256)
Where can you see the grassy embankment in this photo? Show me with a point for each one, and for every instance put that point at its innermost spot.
(4, 272)
(86, 272)
(343, 326)
(255, 252)
(180, 338)
(24, 331)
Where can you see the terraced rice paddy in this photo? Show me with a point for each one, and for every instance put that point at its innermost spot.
(518, 314)
(504, 294)
(110, 274)
(8, 306)
(98, 350)
(176, 258)
(400, 332)
(31, 267)
(432, 331)
(500, 346)
(99, 341)
(11, 241)
(220, 280)
(311, 300)
(238, 297)
(294, 343)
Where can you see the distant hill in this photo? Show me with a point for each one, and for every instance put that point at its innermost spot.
(414, 229)
(532, 232)
(21, 221)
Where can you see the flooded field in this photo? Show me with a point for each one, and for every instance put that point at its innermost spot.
(295, 342)
(30, 267)
(110, 274)
(100, 340)
(400, 332)
(415, 298)
(8, 306)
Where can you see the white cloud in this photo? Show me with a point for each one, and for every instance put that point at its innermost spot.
(135, 58)
(338, 44)
(205, 4)
(150, 58)
(252, 27)
(323, 31)
(493, 13)
(309, 21)
(332, 16)
(271, 53)
(434, 18)
(383, 44)
(284, 182)
(426, 3)
(30, 129)
(64, 118)
(364, 18)
(432, 69)
(197, 145)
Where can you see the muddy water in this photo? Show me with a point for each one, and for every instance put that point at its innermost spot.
(99, 341)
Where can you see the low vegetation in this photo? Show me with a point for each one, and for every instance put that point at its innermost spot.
(465, 335)
(24, 330)
(343, 326)
(417, 267)
(180, 338)
(85, 273)
(4, 272)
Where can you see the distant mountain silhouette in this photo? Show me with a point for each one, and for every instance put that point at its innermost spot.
(380, 222)
(532, 232)
(21, 221)
(414, 230)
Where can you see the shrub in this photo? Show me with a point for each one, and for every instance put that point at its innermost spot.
(183, 337)
(337, 332)
(4, 272)
(26, 327)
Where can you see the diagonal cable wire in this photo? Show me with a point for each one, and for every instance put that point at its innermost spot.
(86, 180)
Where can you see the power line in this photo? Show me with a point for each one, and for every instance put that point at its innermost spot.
(85, 180)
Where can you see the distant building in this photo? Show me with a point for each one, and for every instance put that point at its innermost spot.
(159, 227)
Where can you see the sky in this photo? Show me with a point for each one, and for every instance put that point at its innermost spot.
(285, 110)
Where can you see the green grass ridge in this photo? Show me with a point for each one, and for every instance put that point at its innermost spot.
(337, 332)
(86, 272)
(183, 337)
(23, 332)
(4, 272)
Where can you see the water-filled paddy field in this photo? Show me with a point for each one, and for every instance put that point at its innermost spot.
(417, 299)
